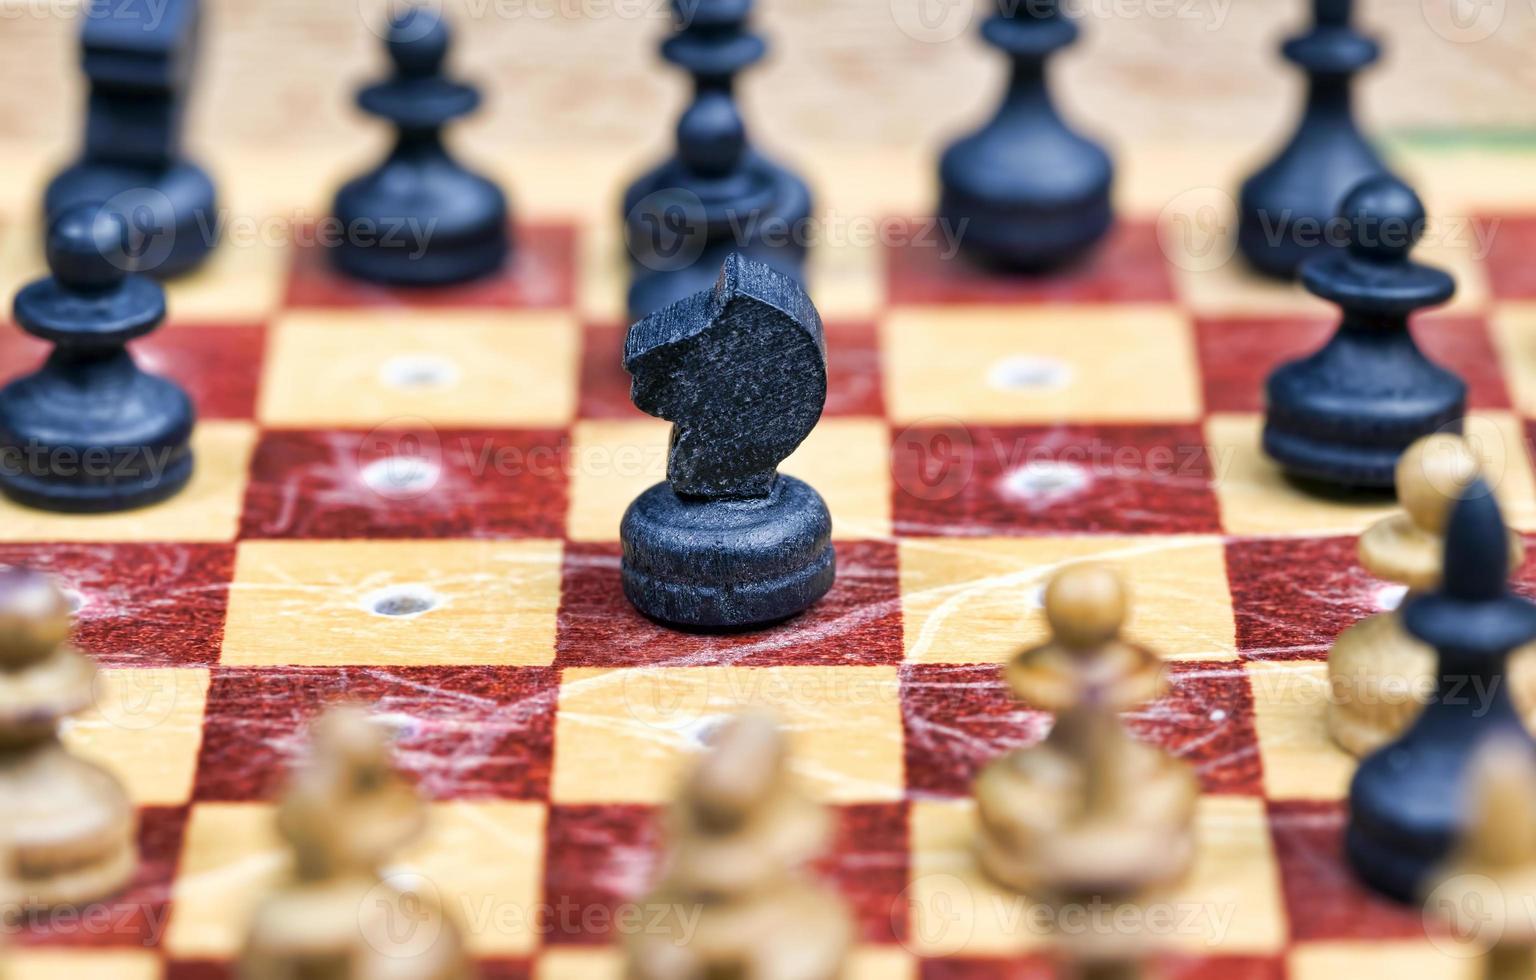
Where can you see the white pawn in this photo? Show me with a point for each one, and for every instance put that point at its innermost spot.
(740, 835)
(1379, 675)
(344, 813)
(70, 825)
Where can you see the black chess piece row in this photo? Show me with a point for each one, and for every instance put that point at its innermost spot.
(1024, 193)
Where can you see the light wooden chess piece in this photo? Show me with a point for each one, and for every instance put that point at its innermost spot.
(734, 900)
(345, 812)
(1379, 675)
(1089, 811)
(1487, 891)
(71, 828)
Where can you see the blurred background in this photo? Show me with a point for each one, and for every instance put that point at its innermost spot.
(894, 72)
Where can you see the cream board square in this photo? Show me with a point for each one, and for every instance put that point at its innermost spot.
(483, 859)
(627, 736)
(1230, 903)
(845, 459)
(145, 726)
(486, 861)
(1256, 498)
(607, 963)
(979, 600)
(450, 368)
(1040, 364)
(70, 964)
(317, 603)
(207, 509)
(231, 856)
(1514, 334)
(1377, 960)
(1290, 715)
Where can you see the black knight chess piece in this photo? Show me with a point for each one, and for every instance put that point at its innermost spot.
(139, 56)
(1026, 192)
(741, 372)
(717, 195)
(89, 431)
(421, 218)
(1285, 206)
(1344, 414)
(1407, 803)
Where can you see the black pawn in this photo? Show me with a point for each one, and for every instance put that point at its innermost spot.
(138, 57)
(421, 218)
(1026, 192)
(89, 432)
(741, 371)
(1346, 413)
(1408, 800)
(716, 195)
(1286, 206)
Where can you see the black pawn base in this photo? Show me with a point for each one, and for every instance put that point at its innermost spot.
(1346, 414)
(684, 255)
(724, 564)
(421, 223)
(1026, 218)
(94, 438)
(172, 211)
(1285, 211)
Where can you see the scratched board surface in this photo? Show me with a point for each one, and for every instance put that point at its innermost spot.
(413, 501)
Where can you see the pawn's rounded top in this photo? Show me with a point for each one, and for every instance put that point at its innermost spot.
(87, 248)
(1385, 219)
(711, 136)
(34, 617)
(418, 41)
(1086, 605)
(1431, 476)
(744, 765)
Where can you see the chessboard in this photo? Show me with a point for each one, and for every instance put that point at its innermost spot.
(413, 500)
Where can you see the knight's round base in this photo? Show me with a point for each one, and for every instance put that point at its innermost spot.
(722, 564)
(173, 210)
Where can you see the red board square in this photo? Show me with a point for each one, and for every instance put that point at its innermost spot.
(853, 372)
(958, 718)
(398, 483)
(1292, 597)
(140, 605)
(1237, 355)
(540, 275)
(1127, 267)
(220, 367)
(462, 732)
(867, 861)
(857, 623)
(1512, 242)
(599, 857)
(135, 918)
(1035, 967)
(1323, 901)
(1103, 479)
(603, 858)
